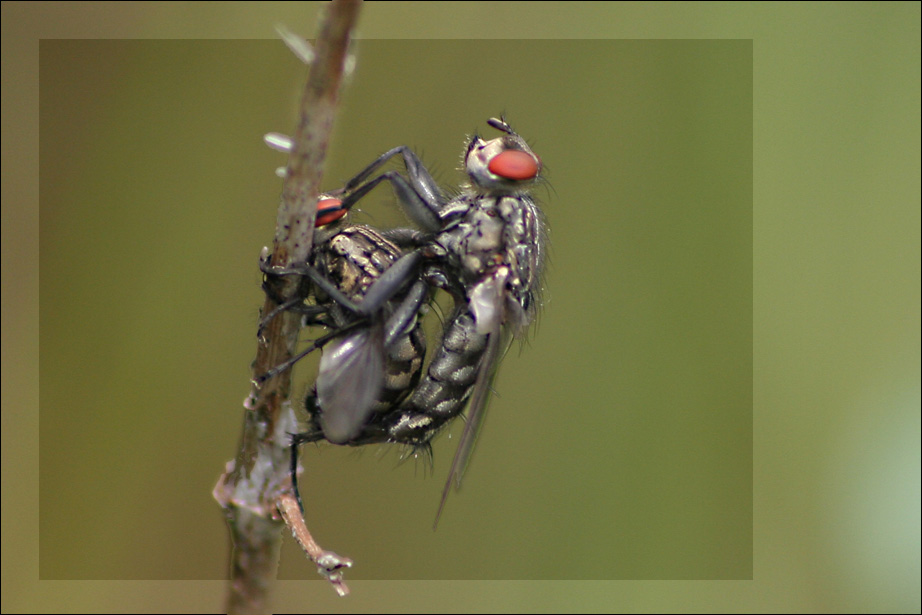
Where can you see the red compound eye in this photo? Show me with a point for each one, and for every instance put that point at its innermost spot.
(514, 164)
(328, 211)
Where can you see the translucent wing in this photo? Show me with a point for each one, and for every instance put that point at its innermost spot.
(488, 305)
(350, 381)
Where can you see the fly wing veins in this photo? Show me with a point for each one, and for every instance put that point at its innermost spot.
(350, 381)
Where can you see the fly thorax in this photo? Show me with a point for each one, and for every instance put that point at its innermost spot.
(355, 258)
(523, 240)
(476, 242)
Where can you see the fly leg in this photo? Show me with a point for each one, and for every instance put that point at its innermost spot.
(316, 277)
(406, 238)
(386, 286)
(297, 439)
(382, 290)
(320, 342)
(420, 194)
(314, 313)
(402, 318)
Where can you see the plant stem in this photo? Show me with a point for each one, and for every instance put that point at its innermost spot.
(253, 484)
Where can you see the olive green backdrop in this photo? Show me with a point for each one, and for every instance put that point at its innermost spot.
(622, 434)
(707, 199)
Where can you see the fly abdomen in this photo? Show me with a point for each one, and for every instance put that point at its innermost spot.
(403, 369)
(442, 392)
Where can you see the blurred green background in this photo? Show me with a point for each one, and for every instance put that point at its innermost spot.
(624, 430)
(734, 224)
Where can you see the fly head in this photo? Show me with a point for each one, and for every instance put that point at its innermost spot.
(504, 165)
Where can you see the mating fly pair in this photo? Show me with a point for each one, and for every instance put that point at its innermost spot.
(485, 247)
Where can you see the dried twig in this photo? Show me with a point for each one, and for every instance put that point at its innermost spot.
(329, 564)
(253, 487)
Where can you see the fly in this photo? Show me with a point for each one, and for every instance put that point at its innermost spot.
(354, 384)
(375, 347)
(486, 247)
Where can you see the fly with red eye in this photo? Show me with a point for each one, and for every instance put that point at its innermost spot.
(486, 248)
(374, 350)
